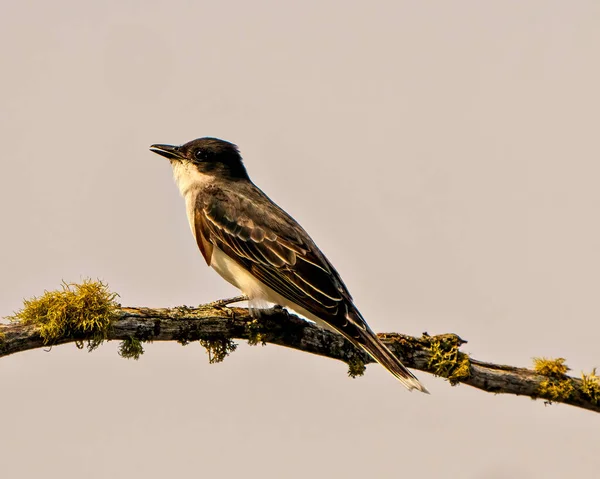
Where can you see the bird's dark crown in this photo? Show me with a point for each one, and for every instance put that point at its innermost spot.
(215, 155)
(210, 155)
(211, 146)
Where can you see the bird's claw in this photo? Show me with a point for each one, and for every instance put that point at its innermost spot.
(223, 303)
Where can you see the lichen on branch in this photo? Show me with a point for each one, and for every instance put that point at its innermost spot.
(88, 312)
(590, 386)
(77, 311)
(557, 386)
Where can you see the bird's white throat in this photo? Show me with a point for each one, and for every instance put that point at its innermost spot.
(190, 182)
(188, 178)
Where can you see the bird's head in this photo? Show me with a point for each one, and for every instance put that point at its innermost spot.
(210, 156)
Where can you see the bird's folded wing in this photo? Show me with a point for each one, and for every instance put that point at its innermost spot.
(275, 250)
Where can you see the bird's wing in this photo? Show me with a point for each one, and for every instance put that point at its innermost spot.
(268, 243)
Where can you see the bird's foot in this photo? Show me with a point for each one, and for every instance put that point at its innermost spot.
(222, 303)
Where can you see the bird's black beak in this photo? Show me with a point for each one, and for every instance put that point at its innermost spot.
(168, 151)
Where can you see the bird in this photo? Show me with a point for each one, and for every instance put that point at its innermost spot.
(260, 249)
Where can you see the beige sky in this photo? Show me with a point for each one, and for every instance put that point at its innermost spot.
(444, 155)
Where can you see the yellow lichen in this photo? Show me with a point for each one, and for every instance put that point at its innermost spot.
(557, 386)
(555, 368)
(556, 390)
(590, 386)
(255, 333)
(446, 360)
(78, 311)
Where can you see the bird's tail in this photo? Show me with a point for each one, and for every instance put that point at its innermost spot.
(356, 329)
(380, 353)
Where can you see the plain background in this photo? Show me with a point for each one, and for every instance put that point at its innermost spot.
(444, 155)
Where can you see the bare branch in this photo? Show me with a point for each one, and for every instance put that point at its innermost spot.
(214, 323)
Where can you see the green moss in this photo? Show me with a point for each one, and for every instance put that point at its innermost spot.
(554, 368)
(557, 386)
(218, 348)
(446, 360)
(356, 367)
(131, 348)
(590, 386)
(77, 311)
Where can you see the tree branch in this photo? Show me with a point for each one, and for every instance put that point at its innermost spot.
(215, 325)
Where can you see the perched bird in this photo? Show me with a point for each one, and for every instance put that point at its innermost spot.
(257, 247)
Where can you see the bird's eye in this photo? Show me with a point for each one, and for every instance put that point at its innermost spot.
(200, 155)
